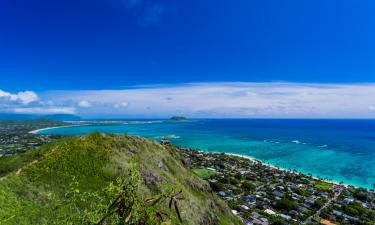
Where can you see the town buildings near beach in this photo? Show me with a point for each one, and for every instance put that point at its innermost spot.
(263, 195)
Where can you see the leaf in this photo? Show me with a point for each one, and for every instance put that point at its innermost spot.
(156, 201)
(160, 216)
(128, 217)
(170, 203)
(177, 212)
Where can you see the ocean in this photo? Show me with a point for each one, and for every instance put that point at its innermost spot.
(337, 150)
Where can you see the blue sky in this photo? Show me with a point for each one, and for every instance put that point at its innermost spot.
(80, 45)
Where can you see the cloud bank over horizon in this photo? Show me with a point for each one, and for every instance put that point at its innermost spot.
(28, 102)
(203, 100)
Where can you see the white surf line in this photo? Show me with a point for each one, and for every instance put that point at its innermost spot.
(286, 170)
(49, 128)
(88, 123)
(291, 171)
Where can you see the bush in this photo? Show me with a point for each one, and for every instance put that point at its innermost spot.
(319, 203)
(224, 180)
(286, 204)
(248, 186)
(234, 181)
(355, 209)
(217, 187)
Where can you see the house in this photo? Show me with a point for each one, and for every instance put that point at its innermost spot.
(264, 221)
(278, 194)
(302, 209)
(165, 142)
(337, 213)
(222, 193)
(249, 199)
(310, 201)
(269, 212)
(347, 201)
(255, 215)
(259, 222)
(244, 208)
(243, 171)
(284, 216)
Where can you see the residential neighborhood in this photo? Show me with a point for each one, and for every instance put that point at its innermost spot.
(15, 136)
(261, 194)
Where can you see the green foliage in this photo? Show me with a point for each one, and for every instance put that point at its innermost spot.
(276, 221)
(224, 180)
(355, 209)
(360, 194)
(129, 208)
(82, 180)
(324, 186)
(319, 203)
(203, 173)
(286, 204)
(13, 163)
(217, 187)
(234, 181)
(248, 185)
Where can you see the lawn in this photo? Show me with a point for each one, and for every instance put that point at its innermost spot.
(323, 186)
(203, 173)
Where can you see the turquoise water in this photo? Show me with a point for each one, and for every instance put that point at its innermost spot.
(338, 150)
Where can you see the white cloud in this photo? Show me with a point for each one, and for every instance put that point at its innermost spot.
(28, 102)
(45, 111)
(121, 105)
(84, 104)
(23, 97)
(27, 97)
(4, 94)
(229, 100)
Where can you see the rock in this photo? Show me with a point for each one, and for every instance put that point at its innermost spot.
(186, 162)
(199, 186)
(212, 205)
(208, 220)
(161, 165)
(150, 179)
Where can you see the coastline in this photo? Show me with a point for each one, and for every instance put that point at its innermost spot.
(237, 155)
(88, 123)
(292, 171)
(50, 128)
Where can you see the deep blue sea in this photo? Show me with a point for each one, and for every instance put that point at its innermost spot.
(338, 150)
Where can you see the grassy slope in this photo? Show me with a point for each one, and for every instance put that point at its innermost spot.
(89, 164)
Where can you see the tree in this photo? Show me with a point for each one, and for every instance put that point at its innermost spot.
(248, 186)
(286, 204)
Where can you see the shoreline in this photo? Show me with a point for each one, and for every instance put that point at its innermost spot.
(237, 155)
(88, 123)
(287, 170)
(293, 172)
(50, 128)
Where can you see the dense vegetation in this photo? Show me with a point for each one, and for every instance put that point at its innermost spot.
(105, 179)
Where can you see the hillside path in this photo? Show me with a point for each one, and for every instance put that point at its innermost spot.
(18, 172)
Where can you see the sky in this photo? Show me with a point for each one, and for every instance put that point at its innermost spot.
(157, 58)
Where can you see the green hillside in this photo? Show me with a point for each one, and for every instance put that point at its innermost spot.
(105, 179)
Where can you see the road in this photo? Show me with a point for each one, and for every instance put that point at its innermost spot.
(317, 213)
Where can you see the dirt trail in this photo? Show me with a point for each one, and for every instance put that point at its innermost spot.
(19, 170)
